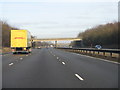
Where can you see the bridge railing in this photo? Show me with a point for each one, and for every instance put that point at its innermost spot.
(93, 51)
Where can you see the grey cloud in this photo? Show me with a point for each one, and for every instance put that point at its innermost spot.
(36, 23)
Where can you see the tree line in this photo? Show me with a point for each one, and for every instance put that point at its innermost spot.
(6, 28)
(105, 35)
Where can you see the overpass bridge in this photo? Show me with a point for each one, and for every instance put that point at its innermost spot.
(56, 39)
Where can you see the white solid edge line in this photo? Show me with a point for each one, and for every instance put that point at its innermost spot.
(78, 76)
(63, 63)
(103, 59)
(11, 64)
(98, 58)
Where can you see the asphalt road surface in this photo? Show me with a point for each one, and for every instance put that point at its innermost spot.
(53, 68)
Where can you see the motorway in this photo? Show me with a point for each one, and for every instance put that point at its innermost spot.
(53, 68)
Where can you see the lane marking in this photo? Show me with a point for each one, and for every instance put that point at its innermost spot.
(54, 55)
(11, 64)
(57, 57)
(78, 76)
(21, 58)
(63, 63)
(97, 58)
(59, 60)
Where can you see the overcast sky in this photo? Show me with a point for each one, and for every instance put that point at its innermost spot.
(58, 18)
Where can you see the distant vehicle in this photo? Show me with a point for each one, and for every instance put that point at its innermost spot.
(51, 45)
(98, 46)
(20, 41)
(70, 46)
(39, 48)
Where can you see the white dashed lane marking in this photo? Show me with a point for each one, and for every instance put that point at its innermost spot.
(78, 76)
(11, 64)
(57, 57)
(63, 63)
(21, 58)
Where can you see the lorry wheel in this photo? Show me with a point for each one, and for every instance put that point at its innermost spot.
(14, 52)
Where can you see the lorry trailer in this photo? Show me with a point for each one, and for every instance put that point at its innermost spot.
(21, 41)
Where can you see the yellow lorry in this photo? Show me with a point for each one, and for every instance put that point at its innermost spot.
(20, 41)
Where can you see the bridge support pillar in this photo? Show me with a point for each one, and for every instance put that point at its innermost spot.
(55, 44)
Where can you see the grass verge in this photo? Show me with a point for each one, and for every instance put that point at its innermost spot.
(5, 50)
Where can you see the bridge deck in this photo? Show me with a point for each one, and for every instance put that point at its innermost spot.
(58, 39)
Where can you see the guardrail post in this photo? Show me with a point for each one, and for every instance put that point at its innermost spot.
(98, 52)
(75, 50)
(103, 53)
(55, 44)
(89, 52)
(119, 56)
(111, 54)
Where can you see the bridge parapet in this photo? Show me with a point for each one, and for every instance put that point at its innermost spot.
(57, 39)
